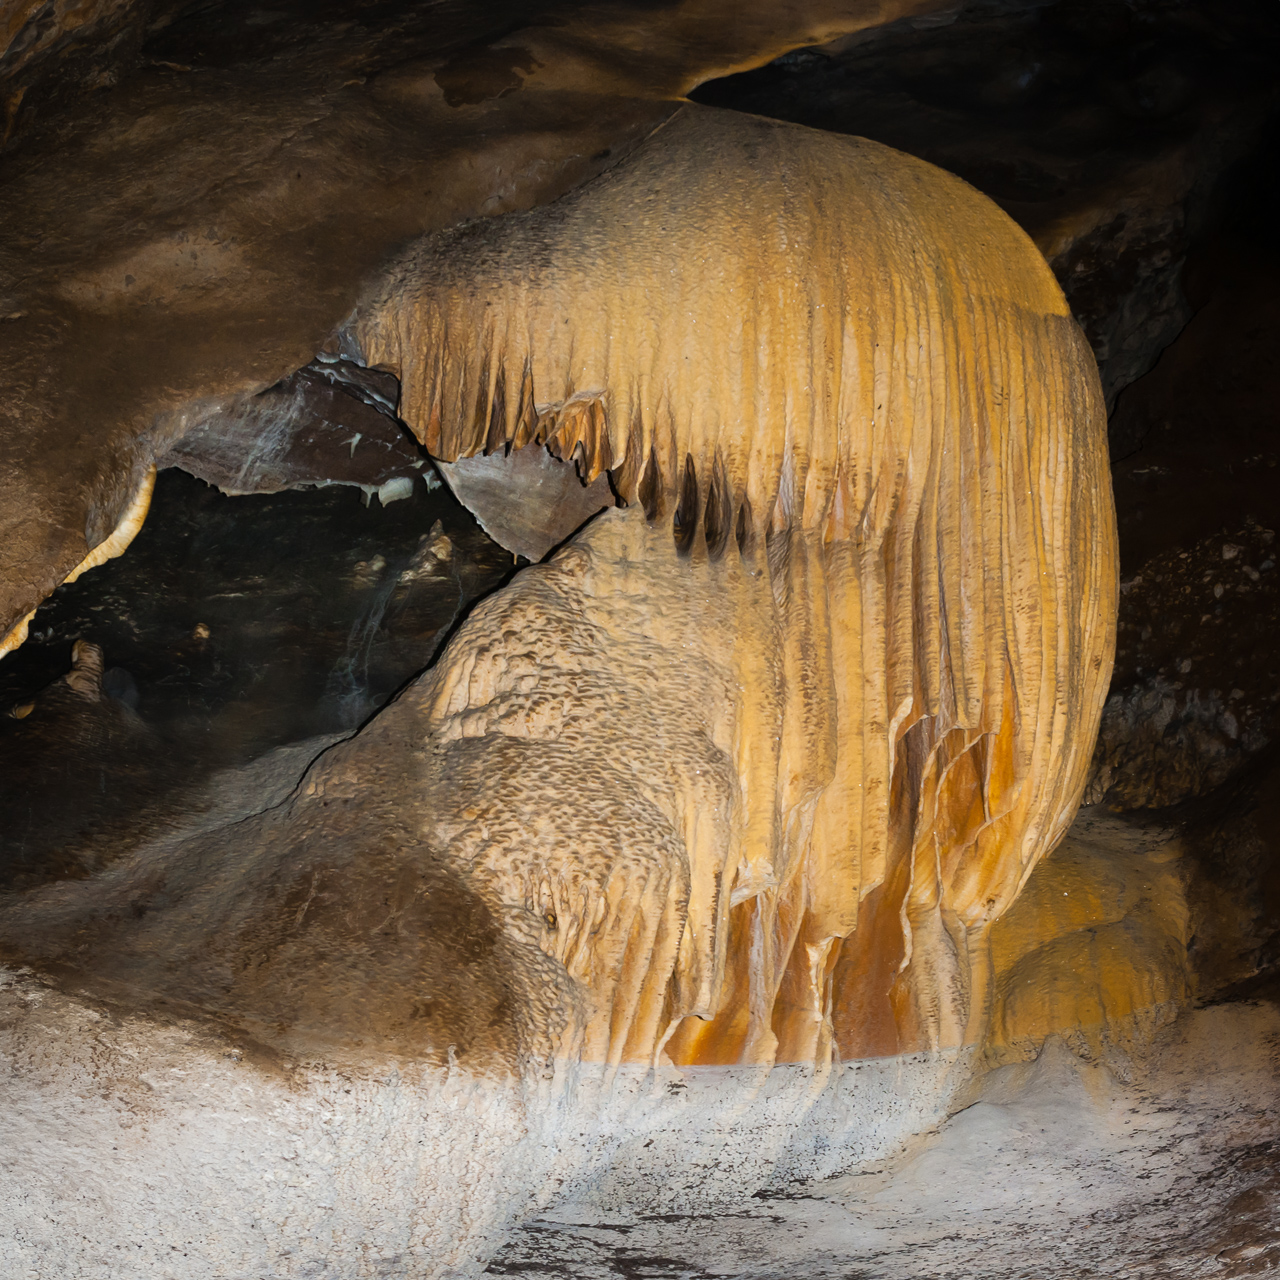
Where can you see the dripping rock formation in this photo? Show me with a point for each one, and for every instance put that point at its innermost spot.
(559, 581)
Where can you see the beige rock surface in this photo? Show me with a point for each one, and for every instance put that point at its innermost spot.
(1095, 949)
(1057, 1169)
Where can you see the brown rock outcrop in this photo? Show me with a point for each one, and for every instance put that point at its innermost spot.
(318, 426)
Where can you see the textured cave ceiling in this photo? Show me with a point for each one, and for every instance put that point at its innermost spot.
(193, 195)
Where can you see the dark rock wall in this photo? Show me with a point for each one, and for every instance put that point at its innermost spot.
(233, 625)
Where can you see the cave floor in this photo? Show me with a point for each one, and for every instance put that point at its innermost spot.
(1060, 1168)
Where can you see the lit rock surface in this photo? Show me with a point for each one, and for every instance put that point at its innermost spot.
(183, 1157)
(526, 500)
(1094, 950)
(1101, 128)
(188, 1149)
(713, 862)
(806, 439)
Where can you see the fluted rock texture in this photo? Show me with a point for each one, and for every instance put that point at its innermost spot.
(847, 391)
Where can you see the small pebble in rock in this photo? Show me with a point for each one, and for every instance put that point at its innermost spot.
(1251, 572)
(200, 631)
(1184, 666)
(1267, 565)
(1230, 551)
(1218, 590)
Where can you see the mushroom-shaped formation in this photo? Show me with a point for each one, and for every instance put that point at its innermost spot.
(741, 775)
(867, 572)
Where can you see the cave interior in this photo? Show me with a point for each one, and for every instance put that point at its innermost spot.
(305, 559)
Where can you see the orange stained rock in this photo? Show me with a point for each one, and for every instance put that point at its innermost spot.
(1095, 948)
(845, 394)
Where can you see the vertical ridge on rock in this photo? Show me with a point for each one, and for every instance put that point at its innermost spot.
(871, 359)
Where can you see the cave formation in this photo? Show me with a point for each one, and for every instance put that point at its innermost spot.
(560, 586)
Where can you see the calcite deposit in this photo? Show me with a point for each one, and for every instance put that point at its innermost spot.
(866, 473)
(397, 908)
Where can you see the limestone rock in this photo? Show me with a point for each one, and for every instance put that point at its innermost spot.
(545, 328)
(526, 500)
(733, 786)
(318, 426)
(795, 608)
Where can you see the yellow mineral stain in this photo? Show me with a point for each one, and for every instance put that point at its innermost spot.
(864, 444)
(1094, 950)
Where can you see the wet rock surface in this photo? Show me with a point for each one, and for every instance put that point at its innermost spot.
(525, 499)
(332, 422)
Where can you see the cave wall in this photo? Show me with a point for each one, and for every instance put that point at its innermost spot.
(1132, 143)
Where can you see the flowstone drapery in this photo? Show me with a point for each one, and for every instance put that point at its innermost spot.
(848, 392)
(738, 778)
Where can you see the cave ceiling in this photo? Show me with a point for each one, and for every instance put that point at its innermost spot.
(639, 639)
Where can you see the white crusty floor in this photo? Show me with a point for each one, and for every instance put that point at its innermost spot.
(1061, 1169)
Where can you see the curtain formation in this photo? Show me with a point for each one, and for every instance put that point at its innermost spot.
(852, 378)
